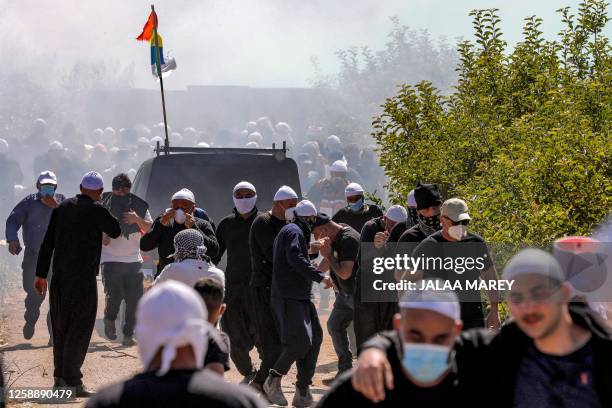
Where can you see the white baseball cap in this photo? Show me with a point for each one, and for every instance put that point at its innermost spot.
(47, 177)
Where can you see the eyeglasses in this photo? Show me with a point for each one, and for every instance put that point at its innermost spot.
(537, 294)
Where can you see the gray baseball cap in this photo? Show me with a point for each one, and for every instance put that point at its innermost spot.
(456, 209)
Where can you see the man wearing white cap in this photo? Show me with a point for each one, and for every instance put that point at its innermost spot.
(181, 215)
(372, 317)
(357, 212)
(418, 356)
(172, 332)
(328, 194)
(552, 354)
(294, 313)
(233, 237)
(73, 241)
(454, 241)
(264, 230)
(32, 215)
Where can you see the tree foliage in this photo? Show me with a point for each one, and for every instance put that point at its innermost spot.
(524, 138)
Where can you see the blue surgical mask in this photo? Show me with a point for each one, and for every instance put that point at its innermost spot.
(426, 363)
(356, 206)
(47, 191)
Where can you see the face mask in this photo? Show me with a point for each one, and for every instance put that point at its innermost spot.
(245, 205)
(425, 363)
(457, 232)
(429, 225)
(356, 206)
(290, 214)
(179, 216)
(48, 191)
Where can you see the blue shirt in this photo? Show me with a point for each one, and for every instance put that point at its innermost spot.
(33, 216)
(292, 272)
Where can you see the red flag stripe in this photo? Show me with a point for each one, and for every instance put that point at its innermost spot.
(147, 30)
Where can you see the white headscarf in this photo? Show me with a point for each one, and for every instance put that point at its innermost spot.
(169, 316)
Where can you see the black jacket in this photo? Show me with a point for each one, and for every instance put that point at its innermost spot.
(357, 220)
(264, 230)
(74, 239)
(162, 238)
(233, 236)
(488, 362)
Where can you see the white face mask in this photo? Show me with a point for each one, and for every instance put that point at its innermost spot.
(289, 214)
(179, 216)
(245, 205)
(457, 232)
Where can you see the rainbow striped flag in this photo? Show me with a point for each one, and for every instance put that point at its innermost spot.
(166, 63)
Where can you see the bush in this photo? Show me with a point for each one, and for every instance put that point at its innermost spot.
(524, 138)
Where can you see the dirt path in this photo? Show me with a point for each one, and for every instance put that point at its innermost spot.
(29, 363)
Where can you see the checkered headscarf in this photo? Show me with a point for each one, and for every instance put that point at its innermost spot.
(189, 244)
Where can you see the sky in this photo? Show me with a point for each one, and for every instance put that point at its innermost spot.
(259, 43)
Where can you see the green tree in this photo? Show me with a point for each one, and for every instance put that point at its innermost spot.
(524, 138)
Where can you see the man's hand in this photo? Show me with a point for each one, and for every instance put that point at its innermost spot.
(315, 246)
(493, 322)
(380, 239)
(327, 282)
(41, 286)
(49, 201)
(189, 220)
(130, 218)
(372, 374)
(167, 217)
(105, 239)
(14, 247)
(326, 250)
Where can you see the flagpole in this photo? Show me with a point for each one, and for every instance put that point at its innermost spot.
(161, 80)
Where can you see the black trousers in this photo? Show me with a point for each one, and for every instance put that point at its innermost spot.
(370, 318)
(239, 324)
(267, 335)
(301, 337)
(73, 304)
(122, 282)
(32, 300)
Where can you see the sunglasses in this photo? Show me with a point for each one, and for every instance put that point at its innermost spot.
(462, 222)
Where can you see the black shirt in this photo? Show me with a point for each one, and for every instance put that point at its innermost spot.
(162, 238)
(397, 231)
(218, 349)
(233, 236)
(264, 230)
(74, 239)
(404, 393)
(346, 248)
(178, 388)
(471, 306)
(356, 220)
(413, 234)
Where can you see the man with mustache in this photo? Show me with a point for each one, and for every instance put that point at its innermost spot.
(551, 354)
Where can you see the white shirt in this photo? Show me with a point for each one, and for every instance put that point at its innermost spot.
(189, 271)
(122, 249)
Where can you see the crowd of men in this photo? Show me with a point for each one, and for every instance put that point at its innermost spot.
(195, 317)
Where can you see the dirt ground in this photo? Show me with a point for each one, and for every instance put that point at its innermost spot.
(29, 363)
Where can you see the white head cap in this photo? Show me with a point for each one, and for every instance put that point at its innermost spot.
(56, 146)
(244, 184)
(411, 200)
(396, 213)
(338, 166)
(184, 194)
(305, 209)
(444, 302)
(171, 315)
(203, 144)
(252, 145)
(4, 147)
(533, 261)
(92, 181)
(285, 193)
(353, 189)
(334, 140)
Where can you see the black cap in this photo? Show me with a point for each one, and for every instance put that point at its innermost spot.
(427, 195)
(322, 219)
